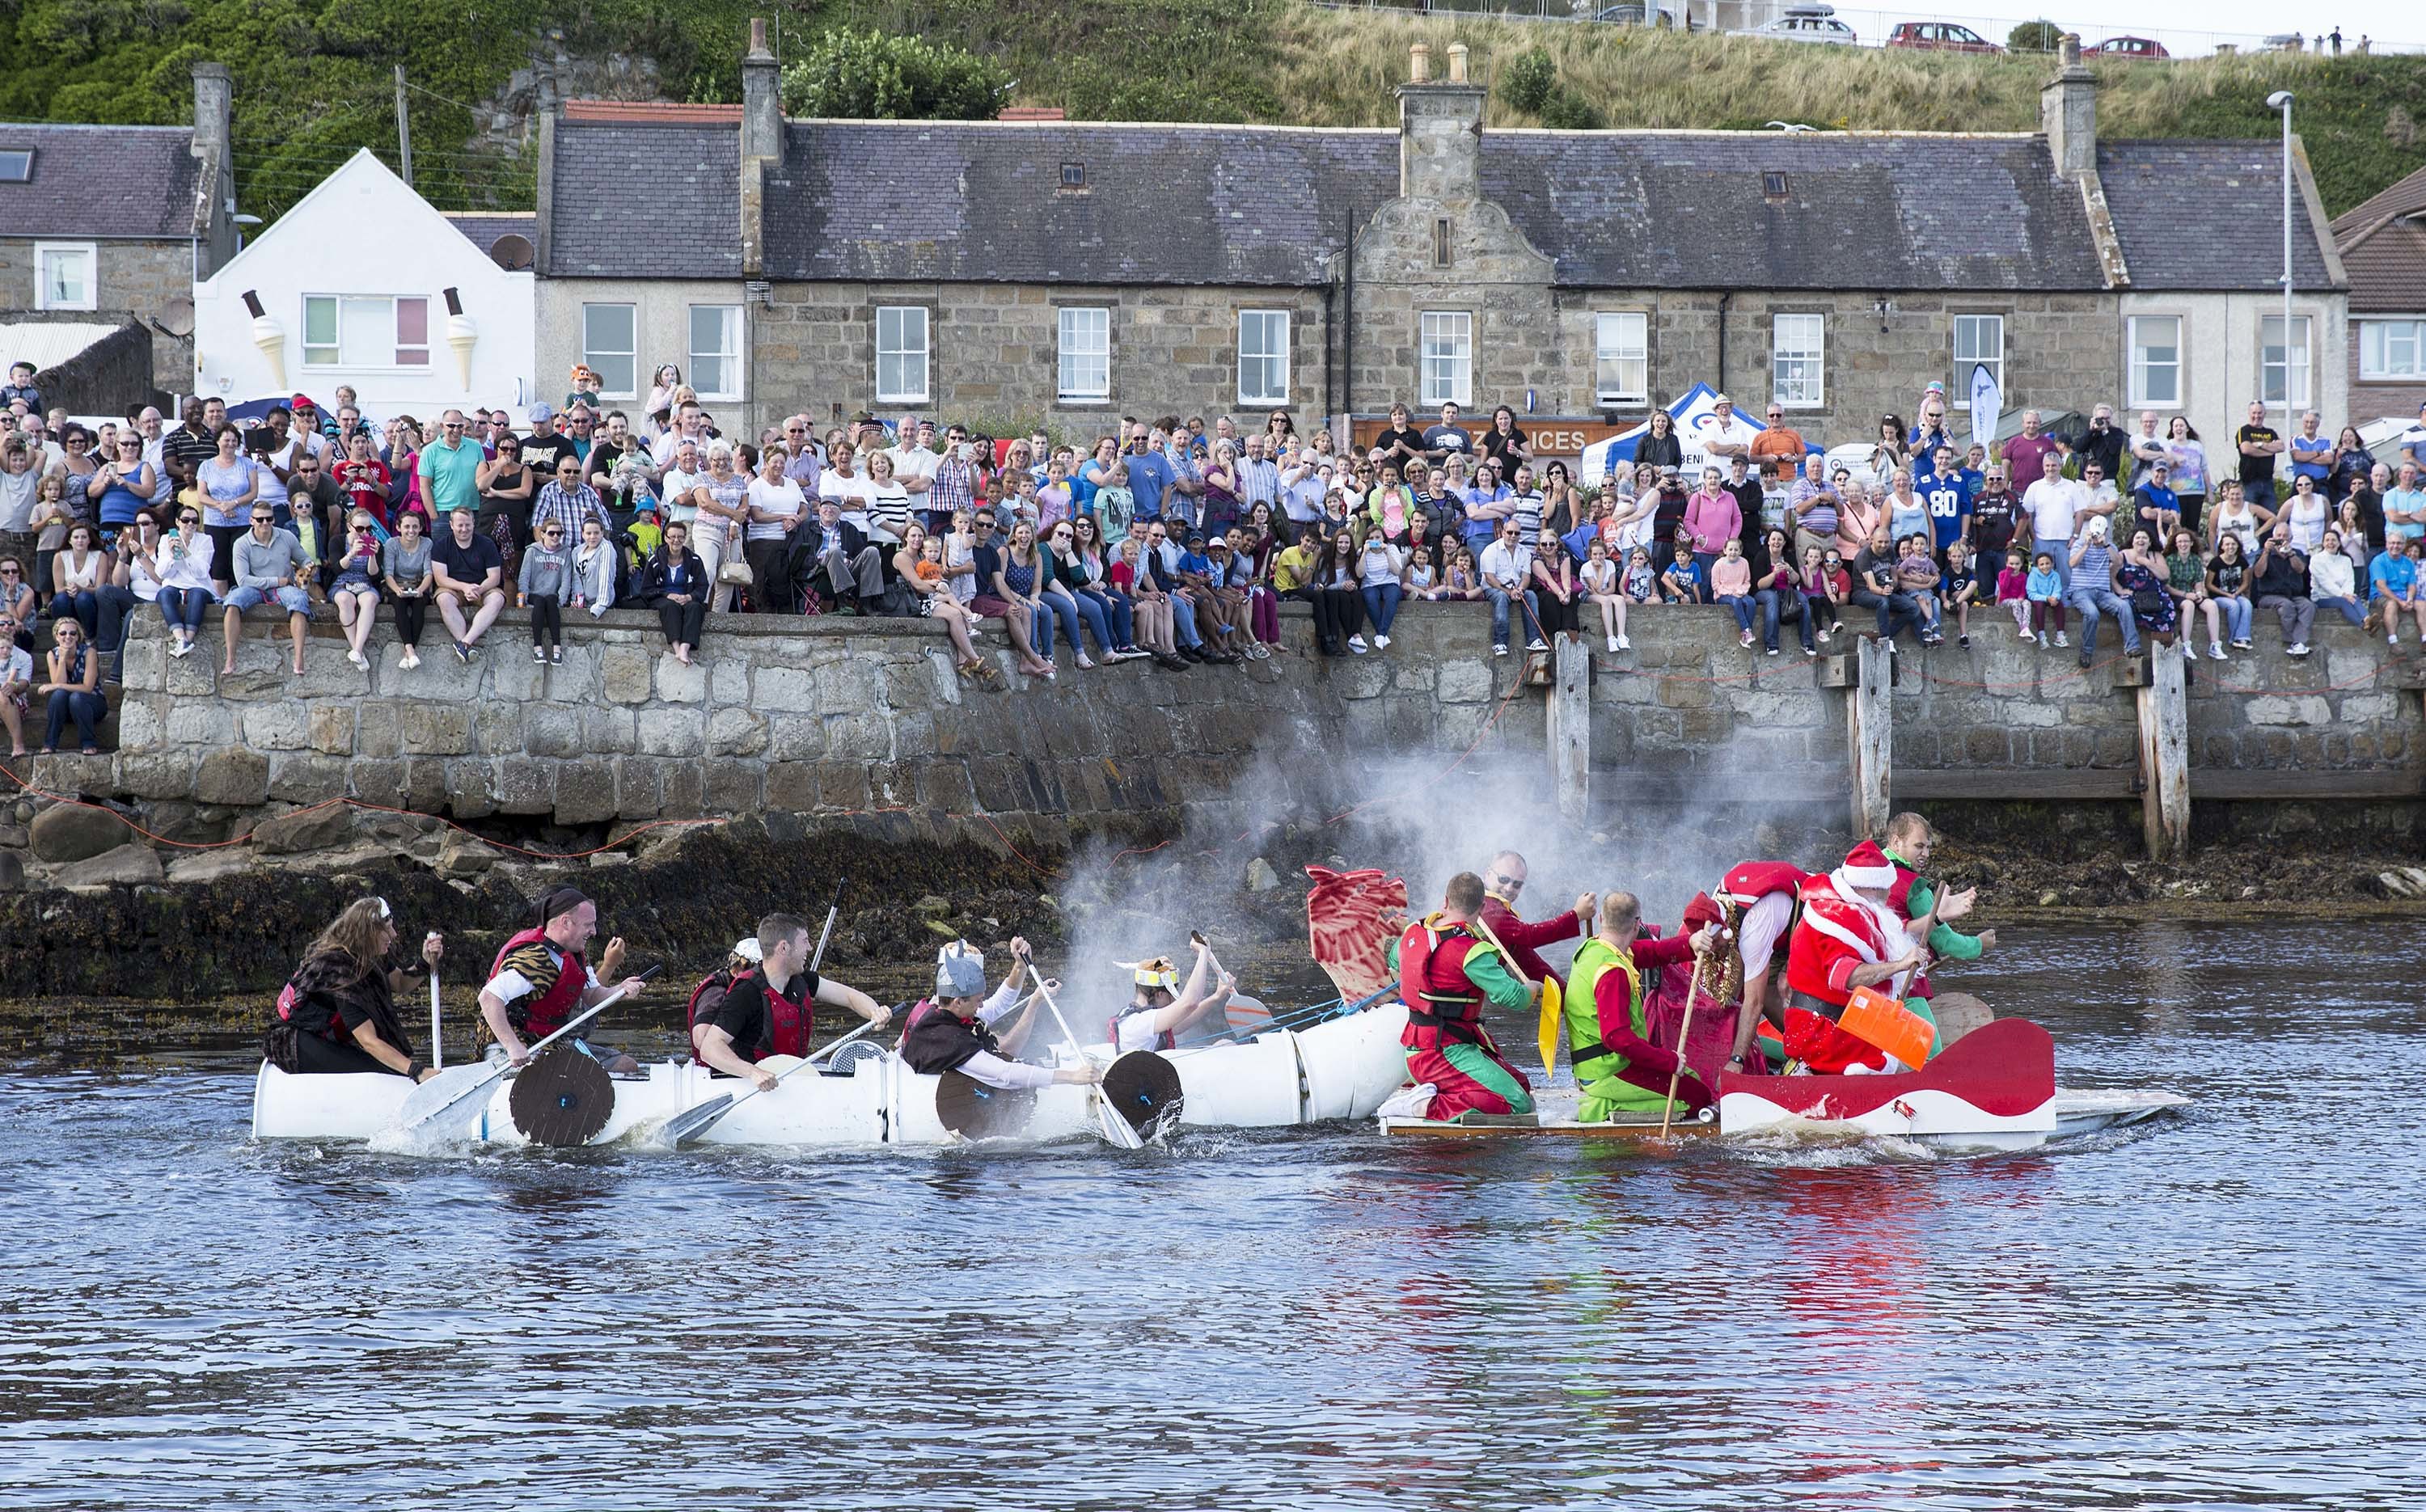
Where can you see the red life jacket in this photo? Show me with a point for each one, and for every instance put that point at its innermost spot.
(541, 1016)
(290, 1000)
(1442, 1002)
(787, 1026)
(1748, 882)
(723, 981)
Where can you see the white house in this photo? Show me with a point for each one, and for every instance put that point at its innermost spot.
(362, 284)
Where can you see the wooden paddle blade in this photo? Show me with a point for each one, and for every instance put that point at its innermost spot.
(1958, 1014)
(1343, 915)
(561, 1099)
(973, 1110)
(694, 1122)
(1142, 1089)
(447, 1102)
(1247, 1017)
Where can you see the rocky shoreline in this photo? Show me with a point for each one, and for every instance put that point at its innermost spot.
(96, 913)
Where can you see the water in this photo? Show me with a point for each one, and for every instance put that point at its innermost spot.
(2213, 1311)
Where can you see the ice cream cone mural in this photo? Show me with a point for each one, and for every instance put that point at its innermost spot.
(461, 334)
(269, 336)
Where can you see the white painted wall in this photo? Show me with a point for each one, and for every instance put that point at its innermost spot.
(363, 233)
(2220, 354)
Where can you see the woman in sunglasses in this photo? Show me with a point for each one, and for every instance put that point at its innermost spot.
(182, 561)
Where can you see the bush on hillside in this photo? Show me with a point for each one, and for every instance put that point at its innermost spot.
(2034, 37)
(875, 75)
(1531, 78)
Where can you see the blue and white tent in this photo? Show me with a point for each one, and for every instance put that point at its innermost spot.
(1693, 412)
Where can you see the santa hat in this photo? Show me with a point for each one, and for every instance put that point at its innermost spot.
(1866, 865)
(1701, 913)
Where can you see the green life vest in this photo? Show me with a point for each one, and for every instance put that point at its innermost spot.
(1597, 1067)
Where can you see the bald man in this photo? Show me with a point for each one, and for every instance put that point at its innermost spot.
(1502, 880)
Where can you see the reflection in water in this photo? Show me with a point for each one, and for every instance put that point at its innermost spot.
(2212, 1311)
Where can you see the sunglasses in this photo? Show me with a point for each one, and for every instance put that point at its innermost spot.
(190, 519)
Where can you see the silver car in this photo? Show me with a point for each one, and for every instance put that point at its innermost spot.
(1808, 23)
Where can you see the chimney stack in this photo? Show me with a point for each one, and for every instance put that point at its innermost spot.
(762, 104)
(2068, 112)
(214, 185)
(1440, 130)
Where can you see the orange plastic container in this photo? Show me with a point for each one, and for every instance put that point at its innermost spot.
(1876, 1019)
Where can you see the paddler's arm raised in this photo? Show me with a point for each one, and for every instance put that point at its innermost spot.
(1485, 969)
(1947, 943)
(834, 994)
(1516, 934)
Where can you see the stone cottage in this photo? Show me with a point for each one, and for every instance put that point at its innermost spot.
(120, 221)
(1007, 272)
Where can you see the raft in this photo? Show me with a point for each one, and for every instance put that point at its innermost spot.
(1337, 1069)
(1993, 1089)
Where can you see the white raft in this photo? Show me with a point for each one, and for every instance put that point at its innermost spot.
(1342, 1067)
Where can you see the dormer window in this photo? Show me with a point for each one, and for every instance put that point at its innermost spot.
(16, 165)
(1772, 185)
(1073, 175)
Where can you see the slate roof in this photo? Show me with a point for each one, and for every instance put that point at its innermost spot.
(640, 199)
(102, 182)
(2383, 244)
(980, 200)
(2207, 214)
(1861, 211)
(482, 231)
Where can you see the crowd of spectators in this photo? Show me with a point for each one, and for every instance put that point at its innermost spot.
(1171, 539)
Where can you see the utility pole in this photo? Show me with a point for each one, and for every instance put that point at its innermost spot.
(403, 129)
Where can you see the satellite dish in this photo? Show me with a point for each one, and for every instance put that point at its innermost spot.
(178, 313)
(513, 252)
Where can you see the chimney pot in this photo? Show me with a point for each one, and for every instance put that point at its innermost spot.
(1419, 63)
(1457, 62)
(762, 108)
(2068, 112)
(757, 34)
(2068, 49)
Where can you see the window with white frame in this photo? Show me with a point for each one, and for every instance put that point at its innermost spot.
(2282, 380)
(1263, 356)
(611, 348)
(1798, 361)
(1622, 357)
(2156, 361)
(365, 331)
(2391, 349)
(1448, 357)
(1978, 340)
(1086, 354)
(67, 275)
(714, 364)
(902, 354)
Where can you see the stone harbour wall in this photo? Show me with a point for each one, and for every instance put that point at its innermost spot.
(846, 716)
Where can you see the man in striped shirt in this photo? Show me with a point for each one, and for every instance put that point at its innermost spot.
(1259, 480)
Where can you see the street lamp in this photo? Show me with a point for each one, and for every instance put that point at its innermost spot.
(2281, 99)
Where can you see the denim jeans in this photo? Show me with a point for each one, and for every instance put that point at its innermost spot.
(2093, 603)
(1770, 601)
(1501, 603)
(2238, 613)
(1745, 608)
(1381, 606)
(1114, 611)
(182, 608)
(2348, 607)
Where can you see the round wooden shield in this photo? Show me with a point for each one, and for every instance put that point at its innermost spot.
(973, 1110)
(1958, 1014)
(1143, 1088)
(1247, 1016)
(562, 1097)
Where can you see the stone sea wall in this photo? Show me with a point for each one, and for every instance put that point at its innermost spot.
(846, 716)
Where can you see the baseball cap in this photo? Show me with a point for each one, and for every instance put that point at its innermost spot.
(747, 948)
(542, 413)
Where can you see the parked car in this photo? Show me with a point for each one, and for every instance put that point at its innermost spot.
(1940, 36)
(2130, 47)
(1808, 24)
(1622, 15)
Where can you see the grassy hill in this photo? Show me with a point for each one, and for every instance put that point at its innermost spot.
(313, 77)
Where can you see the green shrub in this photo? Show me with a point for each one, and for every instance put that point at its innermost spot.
(1566, 110)
(1529, 81)
(876, 75)
(2034, 37)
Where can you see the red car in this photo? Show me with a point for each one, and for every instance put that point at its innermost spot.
(1940, 36)
(2130, 47)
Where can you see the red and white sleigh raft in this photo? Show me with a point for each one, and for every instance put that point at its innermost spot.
(1991, 1088)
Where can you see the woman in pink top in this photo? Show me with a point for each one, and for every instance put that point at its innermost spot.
(1858, 518)
(1712, 519)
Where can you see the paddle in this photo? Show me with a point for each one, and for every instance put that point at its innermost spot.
(1684, 1038)
(1109, 1122)
(437, 1043)
(834, 909)
(1245, 1020)
(446, 1095)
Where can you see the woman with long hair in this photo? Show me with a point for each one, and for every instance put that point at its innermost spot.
(1660, 448)
(73, 691)
(354, 593)
(1338, 598)
(2186, 466)
(1091, 580)
(1019, 586)
(921, 565)
(2228, 584)
(337, 1013)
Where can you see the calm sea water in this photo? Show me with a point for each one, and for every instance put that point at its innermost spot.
(2216, 1310)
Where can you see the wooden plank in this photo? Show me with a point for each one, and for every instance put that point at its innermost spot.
(2135, 671)
(2293, 787)
(1570, 728)
(2165, 758)
(1838, 672)
(2015, 784)
(1869, 736)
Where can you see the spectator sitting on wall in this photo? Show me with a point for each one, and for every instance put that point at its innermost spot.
(836, 560)
(2280, 583)
(469, 573)
(266, 562)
